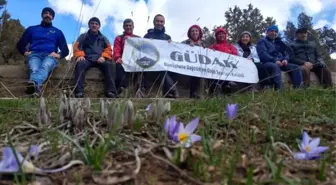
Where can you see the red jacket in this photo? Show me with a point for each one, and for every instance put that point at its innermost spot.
(224, 46)
(118, 46)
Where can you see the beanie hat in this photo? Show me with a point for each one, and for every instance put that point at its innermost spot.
(273, 27)
(94, 19)
(245, 32)
(48, 9)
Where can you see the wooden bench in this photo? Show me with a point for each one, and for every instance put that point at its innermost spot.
(14, 77)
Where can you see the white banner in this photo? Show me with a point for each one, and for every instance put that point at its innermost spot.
(156, 55)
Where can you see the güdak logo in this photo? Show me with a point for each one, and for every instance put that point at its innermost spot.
(145, 54)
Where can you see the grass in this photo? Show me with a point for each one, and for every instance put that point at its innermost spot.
(238, 153)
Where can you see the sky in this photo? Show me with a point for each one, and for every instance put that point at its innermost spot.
(72, 15)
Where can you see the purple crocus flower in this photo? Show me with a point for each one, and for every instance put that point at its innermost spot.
(170, 126)
(185, 135)
(148, 107)
(9, 164)
(231, 111)
(309, 148)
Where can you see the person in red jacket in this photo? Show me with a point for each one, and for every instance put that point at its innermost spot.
(118, 48)
(222, 45)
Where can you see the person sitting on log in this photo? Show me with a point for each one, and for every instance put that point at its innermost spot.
(195, 36)
(248, 50)
(93, 49)
(273, 53)
(223, 45)
(118, 48)
(158, 32)
(304, 53)
(44, 41)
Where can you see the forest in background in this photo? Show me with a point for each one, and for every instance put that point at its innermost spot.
(236, 21)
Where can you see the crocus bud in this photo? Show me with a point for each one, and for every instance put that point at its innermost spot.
(129, 114)
(43, 114)
(87, 105)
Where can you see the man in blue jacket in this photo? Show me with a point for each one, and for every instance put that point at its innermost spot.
(273, 53)
(44, 41)
(158, 32)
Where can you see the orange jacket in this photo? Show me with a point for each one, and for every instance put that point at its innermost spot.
(92, 46)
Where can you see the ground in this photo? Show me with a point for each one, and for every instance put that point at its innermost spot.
(137, 151)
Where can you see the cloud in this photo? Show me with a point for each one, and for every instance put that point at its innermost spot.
(321, 23)
(70, 52)
(333, 55)
(180, 15)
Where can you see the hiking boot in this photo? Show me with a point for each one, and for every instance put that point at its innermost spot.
(195, 95)
(172, 94)
(111, 95)
(31, 87)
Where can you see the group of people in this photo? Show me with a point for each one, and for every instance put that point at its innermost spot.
(92, 49)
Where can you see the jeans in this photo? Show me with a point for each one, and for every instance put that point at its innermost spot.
(275, 70)
(81, 68)
(40, 65)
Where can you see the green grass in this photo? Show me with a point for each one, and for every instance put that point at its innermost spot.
(263, 118)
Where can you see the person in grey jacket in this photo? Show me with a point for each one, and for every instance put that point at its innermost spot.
(248, 50)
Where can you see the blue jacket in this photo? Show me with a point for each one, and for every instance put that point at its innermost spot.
(272, 51)
(157, 34)
(253, 55)
(43, 39)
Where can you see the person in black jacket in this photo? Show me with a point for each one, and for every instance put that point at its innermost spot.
(158, 32)
(305, 54)
(93, 49)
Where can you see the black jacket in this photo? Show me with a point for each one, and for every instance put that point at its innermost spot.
(303, 51)
(157, 34)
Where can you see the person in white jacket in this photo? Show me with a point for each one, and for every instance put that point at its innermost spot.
(248, 50)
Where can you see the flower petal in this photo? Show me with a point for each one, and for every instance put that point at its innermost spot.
(319, 149)
(231, 111)
(300, 156)
(166, 125)
(194, 138)
(33, 151)
(180, 128)
(9, 162)
(314, 143)
(148, 107)
(191, 127)
(173, 127)
(305, 139)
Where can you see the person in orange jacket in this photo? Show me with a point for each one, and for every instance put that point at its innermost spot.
(118, 48)
(93, 49)
(221, 45)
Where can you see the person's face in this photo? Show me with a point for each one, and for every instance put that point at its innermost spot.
(159, 22)
(128, 27)
(272, 34)
(245, 39)
(94, 26)
(194, 33)
(221, 36)
(302, 36)
(47, 17)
